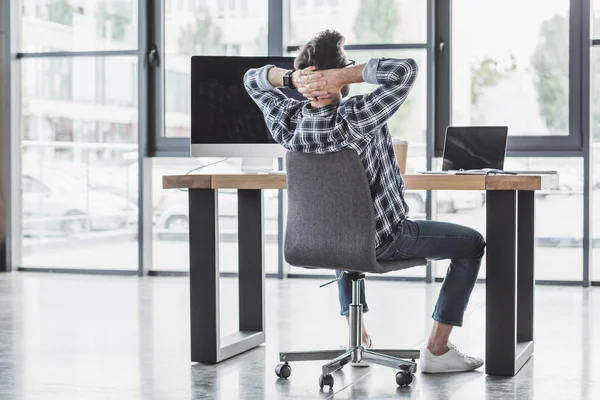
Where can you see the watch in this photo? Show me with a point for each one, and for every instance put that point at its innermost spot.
(287, 79)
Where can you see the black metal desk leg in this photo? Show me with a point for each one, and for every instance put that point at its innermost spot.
(251, 264)
(525, 275)
(509, 277)
(501, 283)
(204, 275)
(206, 342)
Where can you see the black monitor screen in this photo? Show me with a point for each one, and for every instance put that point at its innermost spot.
(222, 110)
(475, 147)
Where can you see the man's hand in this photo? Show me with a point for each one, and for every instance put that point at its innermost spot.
(298, 76)
(301, 80)
(319, 85)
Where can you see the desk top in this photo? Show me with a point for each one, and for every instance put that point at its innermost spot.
(412, 181)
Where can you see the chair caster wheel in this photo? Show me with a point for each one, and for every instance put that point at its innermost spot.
(326, 380)
(283, 370)
(404, 378)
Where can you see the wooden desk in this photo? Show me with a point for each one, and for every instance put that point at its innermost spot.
(509, 259)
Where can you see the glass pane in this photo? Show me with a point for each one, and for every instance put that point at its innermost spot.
(171, 231)
(516, 77)
(558, 218)
(232, 28)
(79, 163)
(69, 25)
(360, 21)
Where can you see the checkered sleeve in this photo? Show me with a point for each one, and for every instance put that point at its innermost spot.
(366, 114)
(276, 107)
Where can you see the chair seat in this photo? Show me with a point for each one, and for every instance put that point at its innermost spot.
(389, 266)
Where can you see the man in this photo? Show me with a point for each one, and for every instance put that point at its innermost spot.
(325, 124)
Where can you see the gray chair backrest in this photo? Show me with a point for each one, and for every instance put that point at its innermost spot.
(330, 221)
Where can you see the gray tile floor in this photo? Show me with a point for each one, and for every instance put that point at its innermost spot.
(89, 337)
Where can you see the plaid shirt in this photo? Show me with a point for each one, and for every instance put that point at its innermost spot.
(358, 123)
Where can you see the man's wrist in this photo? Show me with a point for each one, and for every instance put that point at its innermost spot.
(350, 75)
(275, 76)
(353, 74)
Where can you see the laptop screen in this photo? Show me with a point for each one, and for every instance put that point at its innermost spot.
(474, 147)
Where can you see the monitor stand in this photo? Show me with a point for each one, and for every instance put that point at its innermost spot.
(254, 165)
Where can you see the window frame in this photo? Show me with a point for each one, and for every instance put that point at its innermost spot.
(151, 89)
(14, 55)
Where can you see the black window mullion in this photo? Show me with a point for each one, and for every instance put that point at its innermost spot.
(275, 31)
(67, 54)
(146, 92)
(443, 71)
(155, 73)
(576, 50)
(373, 46)
(585, 82)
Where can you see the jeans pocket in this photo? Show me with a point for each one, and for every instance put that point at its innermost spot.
(402, 255)
(403, 248)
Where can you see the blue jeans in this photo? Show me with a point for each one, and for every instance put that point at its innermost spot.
(433, 240)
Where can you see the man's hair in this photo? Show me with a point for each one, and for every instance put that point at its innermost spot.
(324, 51)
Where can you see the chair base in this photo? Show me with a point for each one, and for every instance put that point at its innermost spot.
(398, 359)
(402, 360)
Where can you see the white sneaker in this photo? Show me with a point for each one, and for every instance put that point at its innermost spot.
(451, 361)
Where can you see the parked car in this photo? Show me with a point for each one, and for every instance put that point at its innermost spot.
(57, 202)
(171, 212)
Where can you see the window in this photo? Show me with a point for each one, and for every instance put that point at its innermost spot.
(79, 164)
(299, 5)
(32, 185)
(171, 229)
(177, 99)
(200, 32)
(197, 4)
(55, 82)
(517, 76)
(65, 25)
(362, 21)
(371, 23)
(558, 218)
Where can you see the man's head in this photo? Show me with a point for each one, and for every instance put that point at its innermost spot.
(324, 51)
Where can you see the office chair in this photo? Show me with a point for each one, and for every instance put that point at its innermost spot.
(331, 225)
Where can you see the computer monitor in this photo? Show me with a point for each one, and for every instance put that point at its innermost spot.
(225, 120)
(474, 147)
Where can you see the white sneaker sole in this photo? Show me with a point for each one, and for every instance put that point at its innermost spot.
(441, 370)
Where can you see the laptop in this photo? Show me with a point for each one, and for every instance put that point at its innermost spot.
(472, 150)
